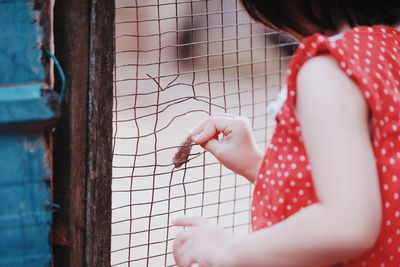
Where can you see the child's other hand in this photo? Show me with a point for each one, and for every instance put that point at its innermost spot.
(202, 243)
(237, 149)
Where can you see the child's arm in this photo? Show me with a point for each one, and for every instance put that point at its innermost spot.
(346, 222)
(237, 149)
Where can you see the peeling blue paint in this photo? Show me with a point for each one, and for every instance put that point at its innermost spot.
(20, 37)
(25, 214)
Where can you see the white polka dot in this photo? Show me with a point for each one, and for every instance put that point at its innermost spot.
(299, 175)
(301, 192)
(385, 187)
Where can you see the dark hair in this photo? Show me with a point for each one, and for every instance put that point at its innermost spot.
(326, 15)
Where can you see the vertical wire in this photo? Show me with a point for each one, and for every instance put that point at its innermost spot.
(115, 110)
(239, 104)
(173, 170)
(252, 96)
(209, 89)
(225, 110)
(131, 221)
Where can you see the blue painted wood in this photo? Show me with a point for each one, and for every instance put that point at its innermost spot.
(25, 199)
(24, 196)
(24, 213)
(21, 92)
(25, 111)
(20, 37)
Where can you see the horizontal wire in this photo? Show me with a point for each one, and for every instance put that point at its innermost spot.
(181, 17)
(202, 70)
(245, 37)
(180, 210)
(267, 33)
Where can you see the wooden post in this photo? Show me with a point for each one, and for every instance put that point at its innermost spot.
(98, 208)
(83, 33)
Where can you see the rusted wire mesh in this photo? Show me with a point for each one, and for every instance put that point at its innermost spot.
(177, 61)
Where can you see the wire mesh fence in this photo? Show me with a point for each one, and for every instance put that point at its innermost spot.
(177, 62)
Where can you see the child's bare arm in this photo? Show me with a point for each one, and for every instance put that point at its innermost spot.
(346, 222)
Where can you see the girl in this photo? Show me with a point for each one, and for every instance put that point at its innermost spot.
(327, 191)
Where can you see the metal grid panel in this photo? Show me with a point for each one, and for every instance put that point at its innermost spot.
(177, 61)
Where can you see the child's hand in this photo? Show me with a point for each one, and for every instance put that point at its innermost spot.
(237, 149)
(202, 243)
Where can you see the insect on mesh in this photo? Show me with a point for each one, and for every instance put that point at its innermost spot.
(176, 62)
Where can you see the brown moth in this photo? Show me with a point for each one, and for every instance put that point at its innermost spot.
(182, 155)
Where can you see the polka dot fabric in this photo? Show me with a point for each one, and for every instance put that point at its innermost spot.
(284, 185)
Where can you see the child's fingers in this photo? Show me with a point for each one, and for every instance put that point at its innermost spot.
(199, 128)
(215, 125)
(189, 221)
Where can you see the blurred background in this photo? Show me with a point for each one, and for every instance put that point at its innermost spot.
(177, 62)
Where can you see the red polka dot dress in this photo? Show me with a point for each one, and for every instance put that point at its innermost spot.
(284, 185)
